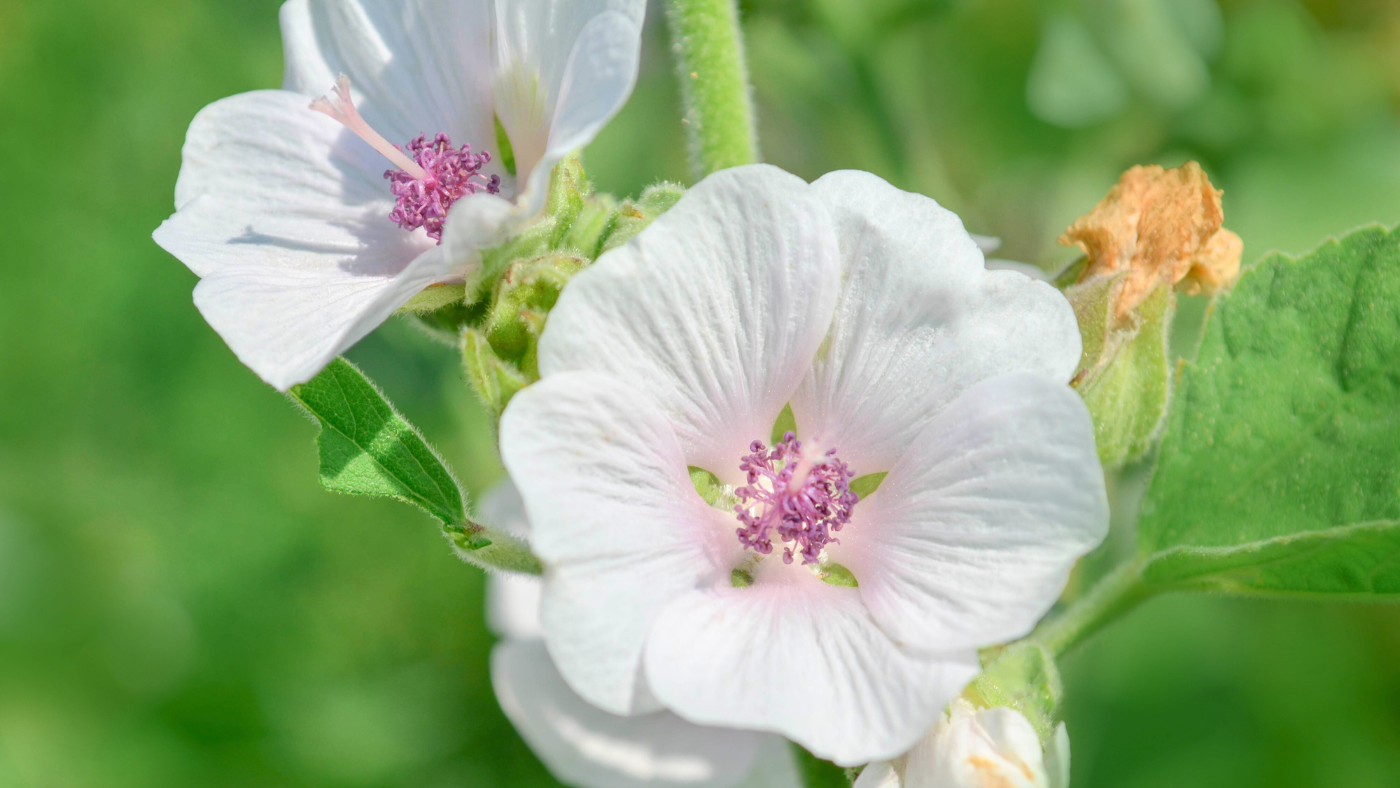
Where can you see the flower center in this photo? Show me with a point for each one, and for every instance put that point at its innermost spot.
(426, 185)
(800, 498)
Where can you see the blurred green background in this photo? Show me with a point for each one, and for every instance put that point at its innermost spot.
(181, 604)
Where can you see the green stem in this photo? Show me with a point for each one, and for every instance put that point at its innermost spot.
(1117, 593)
(709, 51)
(490, 548)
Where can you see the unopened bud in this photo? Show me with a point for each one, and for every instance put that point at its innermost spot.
(977, 748)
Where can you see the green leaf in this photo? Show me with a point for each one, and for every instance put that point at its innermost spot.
(367, 448)
(1280, 469)
(1350, 559)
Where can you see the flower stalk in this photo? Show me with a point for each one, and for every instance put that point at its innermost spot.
(492, 548)
(1117, 593)
(709, 51)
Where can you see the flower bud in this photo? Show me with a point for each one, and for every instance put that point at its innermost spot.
(977, 748)
(495, 381)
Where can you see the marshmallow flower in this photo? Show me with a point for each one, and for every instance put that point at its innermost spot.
(584, 746)
(845, 624)
(970, 748)
(307, 231)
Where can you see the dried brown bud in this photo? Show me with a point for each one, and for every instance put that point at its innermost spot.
(1162, 226)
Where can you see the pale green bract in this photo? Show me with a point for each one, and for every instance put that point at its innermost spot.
(1280, 469)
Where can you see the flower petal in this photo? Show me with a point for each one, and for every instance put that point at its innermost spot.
(919, 321)
(536, 44)
(590, 748)
(1057, 758)
(546, 123)
(513, 605)
(285, 223)
(512, 600)
(987, 243)
(970, 538)
(287, 323)
(803, 659)
(615, 519)
(265, 153)
(417, 66)
(713, 313)
(502, 507)
(596, 81)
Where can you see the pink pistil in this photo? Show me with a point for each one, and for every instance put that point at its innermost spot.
(800, 499)
(426, 185)
(342, 108)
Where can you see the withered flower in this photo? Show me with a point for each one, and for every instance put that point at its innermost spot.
(1161, 226)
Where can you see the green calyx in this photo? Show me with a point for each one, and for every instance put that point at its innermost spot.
(499, 314)
(1023, 677)
(713, 491)
(524, 295)
(1124, 373)
(493, 379)
(633, 216)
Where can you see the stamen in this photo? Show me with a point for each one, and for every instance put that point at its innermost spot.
(342, 108)
(426, 184)
(453, 174)
(802, 499)
(810, 459)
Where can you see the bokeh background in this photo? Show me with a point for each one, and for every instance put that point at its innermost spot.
(182, 605)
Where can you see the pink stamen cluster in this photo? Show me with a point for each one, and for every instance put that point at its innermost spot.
(452, 174)
(801, 501)
(426, 185)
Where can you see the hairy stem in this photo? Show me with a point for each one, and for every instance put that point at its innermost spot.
(490, 548)
(1115, 594)
(709, 52)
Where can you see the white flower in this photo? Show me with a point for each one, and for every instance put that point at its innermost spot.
(585, 746)
(869, 311)
(284, 213)
(968, 748)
